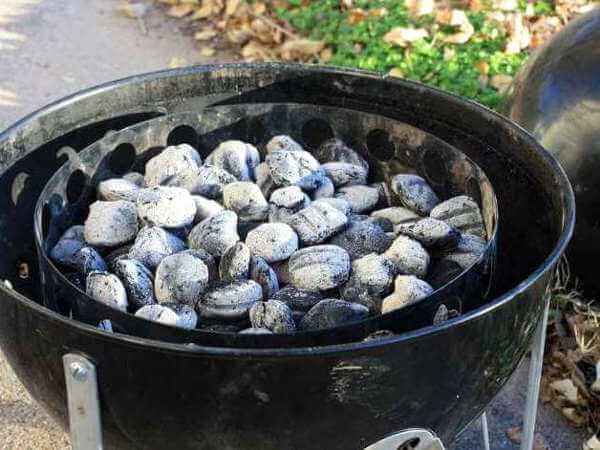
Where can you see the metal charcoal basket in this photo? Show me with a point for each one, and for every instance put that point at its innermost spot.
(399, 148)
(157, 394)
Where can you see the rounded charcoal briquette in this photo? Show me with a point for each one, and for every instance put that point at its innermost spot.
(246, 200)
(345, 174)
(137, 280)
(466, 253)
(338, 203)
(166, 206)
(362, 199)
(461, 212)
(272, 241)
(298, 299)
(371, 276)
(152, 244)
(88, 260)
(118, 189)
(205, 208)
(171, 162)
(273, 315)
(432, 233)
(135, 178)
(264, 180)
(385, 195)
(235, 263)
(180, 278)
(320, 267)
(207, 259)
(324, 188)
(317, 223)
(285, 202)
(397, 215)
(332, 313)
(289, 168)
(282, 270)
(106, 288)
(283, 142)
(409, 256)
(236, 157)
(215, 234)
(264, 275)
(209, 182)
(362, 237)
(256, 331)
(186, 316)
(65, 250)
(229, 301)
(110, 224)
(336, 150)
(408, 289)
(166, 316)
(414, 193)
(116, 255)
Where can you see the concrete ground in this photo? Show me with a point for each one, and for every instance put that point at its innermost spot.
(50, 48)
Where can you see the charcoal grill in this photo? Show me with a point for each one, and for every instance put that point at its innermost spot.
(154, 394)
(444, 167)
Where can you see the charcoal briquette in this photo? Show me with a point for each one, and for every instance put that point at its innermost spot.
(187, 318)
(336, 150)
(362, 237)
(409, 256)
(246, 200)
(298, 299)
(463, 213)
(137, 280)
(338, 203)
(165, 206)
(408, 289)
(264, 180)
(209, 182)
(216, 233)
(152, 244)
(345, 174)
(110, 224)
(118, 189)
(88, 260)
(371, 276)
(236, 157)
(432, 233)
(235, 263)
(414, 193)
(263, 274)
(320, 267)
(289, 168)
(397, 215)
(361, 199)
(332, 313)
(205, 208)
(317, 223)
(229, 301)
(171, 162)
(283, 142)
(273, 315)
(180, 278)
(106, 288)
(272, 241)
(167, 316)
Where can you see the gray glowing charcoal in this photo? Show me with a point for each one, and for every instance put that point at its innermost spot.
(264, 275)
(409, 256)
(283, 142)
(345, 174)
(317, 223)
(246, 200)
(118, 189)
(432, 233)
(408, 289)
(180, 278)
(289, 168)
(324, 188)
(264, 180)
(229, 301)
(110, 224)
(338, 203)
(336, 150)
(135, 178)
(362, 199)
(205, 208)
(186, 316)
(236, 157)
(106, 288)
(166, 206)
(207, 259)
(385, 195)
(210, 181)
(330, 313)
(106, 325)
(116, 255)
(169, 163)
(158, 313)
(298, 299)
(282, 270)
(272, 315)
(65, 250)
(361, 238)
(137, 280)
(321, 267)
(469, 243)
(463, 213)
(414, 193)
(235, 263)
(88, 260)
(286, 201)
(397, 215)
(215, 234)
(152, 244)
(255, 331)
(272, 241)
(371, 276)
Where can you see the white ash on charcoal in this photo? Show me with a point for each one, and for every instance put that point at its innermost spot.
(106, 325)
(273, 315)
(236, 157)
(283, 142)
(362, 237)
(264, 180)
(285, 202)
(229, 301)
(168, 316)
(330, 313)
(463, 213)
(135, 178)
(256, 331)
(88, 260)
(106, 288)
(118, 189)
(273, 241)
(371, 279)
(208, 260)
(205, 208)
(397, 215)
(323, 188)
(408, 256)
(337, 203)
(180, 278)
(432, 233)
(408, 289)
(169, 163)
(414, 193)
(336, 150)
(164, 206)
(263, 274)
(321, 267)
(288, 168)
(235, 263)
(137, 280)
(110, 224)
(216, 233)
(362, 199)
(153, 244)
(345, 174)
(187, 316)
(246, 200)
(317, 223)
(209, 182)
(282, 270)
(116, 255)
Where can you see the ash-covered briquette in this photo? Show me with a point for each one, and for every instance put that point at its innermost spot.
(165, 206)
(323, 188)
(106, 288)
(263, 274)
(170, 163)
(216, 233)
(362, 199)
(273, 241)
(432, 233)
(407, 290)
(321, 267)
(135, 178)
(235, 263)
(66, 248)
(183, 317)
(264, 180)
(229, 301)
(414, 193)
(408, 256)
(337, 203)
(180, 278)
(362, 237)
(336, 150)
(209, 182)
(285, 202)
(332, 313)
(300, 300)
(345, 174)
(273, 315)
(118, 189)
(317, 223)
(463, 213)
(236, 157)
(187, 316)
(371, 278)
(137, 280)
(288, 168)
(110, 224)
(88, 260)
(397, 215)
(153, 244)
(246, 200)
(205, 208)
(466, 253)
(283, 142)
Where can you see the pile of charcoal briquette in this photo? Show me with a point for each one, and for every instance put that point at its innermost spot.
(299, 241)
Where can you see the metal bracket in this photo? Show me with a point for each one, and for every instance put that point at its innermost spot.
(83, 403)
(410, 439)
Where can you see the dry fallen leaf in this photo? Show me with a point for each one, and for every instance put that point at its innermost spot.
(325, 55)
(574, 416)
(454, 17)
(519, 36)
(231, 6)
(207, 51)
(566, 388)
(418, 8)
(501, 82)
(357, 15)
(482, 67)
(300, 48)
(395, 72)
(180, 10)
(514, 434)
(463, 36)
(176, 62)
(133, 10)
(254, 51)
(205, 35)
(506, 5)
(403, 36)
(592, 444)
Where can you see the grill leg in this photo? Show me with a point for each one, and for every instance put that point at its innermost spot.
(82, 399)
(535, 378)
(484, 432)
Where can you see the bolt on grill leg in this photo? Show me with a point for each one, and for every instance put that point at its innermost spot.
(82, 399)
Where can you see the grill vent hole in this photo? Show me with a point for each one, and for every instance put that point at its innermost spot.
(45, 219)
(435, 167)
(315, 132)
(122, 158)
(380, 145)
(183, 134)
(75, 186)
(410, 445)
